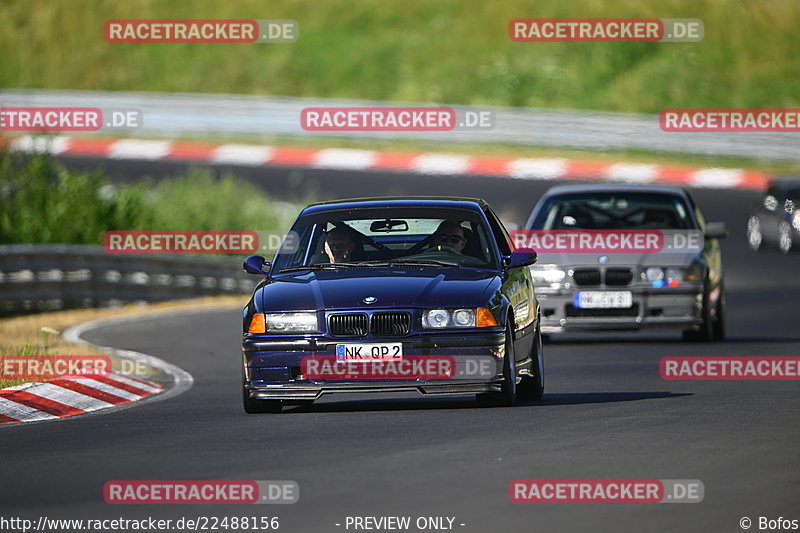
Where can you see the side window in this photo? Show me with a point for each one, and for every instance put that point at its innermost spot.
(701, 220)
(500, 233)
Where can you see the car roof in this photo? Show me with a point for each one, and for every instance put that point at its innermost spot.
(614, 187)
(475, 204)
(672, 190)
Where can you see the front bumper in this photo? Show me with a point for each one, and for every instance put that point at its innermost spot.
(667, 307)
(273, 365)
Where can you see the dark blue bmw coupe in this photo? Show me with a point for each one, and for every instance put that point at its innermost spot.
(390, 295)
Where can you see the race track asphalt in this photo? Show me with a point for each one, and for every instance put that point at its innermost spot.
(606, 414)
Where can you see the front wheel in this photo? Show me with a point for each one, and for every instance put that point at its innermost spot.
(532, 387)
(719, 320)
(703, 332)
(253, 405)
(507, 397)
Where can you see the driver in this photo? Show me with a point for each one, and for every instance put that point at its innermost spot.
(450, 233)
(338, 247)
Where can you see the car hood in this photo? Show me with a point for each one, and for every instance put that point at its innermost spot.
(642, 260)
(346, 289)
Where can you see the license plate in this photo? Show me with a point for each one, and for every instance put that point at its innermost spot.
(604, 300)
(391, 351)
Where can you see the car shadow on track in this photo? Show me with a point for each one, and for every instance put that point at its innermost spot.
(467, 402)
(579, 398)
(610, 339)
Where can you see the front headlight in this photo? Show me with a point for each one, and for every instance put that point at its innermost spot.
(796, 220)
(283, 323)
(547, 274)
(480, 317)
(654, 274)
(674, 274)
(665, 277)
(548, 279)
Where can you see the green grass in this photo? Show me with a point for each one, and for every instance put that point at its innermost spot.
(446, 51)
(43, 202)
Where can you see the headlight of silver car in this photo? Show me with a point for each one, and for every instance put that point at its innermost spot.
(654, 274)
(673, 274)
(670, 276)
(548, 278)
(796, 220)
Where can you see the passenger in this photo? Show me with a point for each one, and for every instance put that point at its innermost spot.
(660, 218)
(450, 233)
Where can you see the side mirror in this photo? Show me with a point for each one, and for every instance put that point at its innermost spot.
(521, 257)
(255, 264)
(716, 230)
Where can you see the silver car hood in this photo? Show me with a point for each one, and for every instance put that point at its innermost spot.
(641, 260)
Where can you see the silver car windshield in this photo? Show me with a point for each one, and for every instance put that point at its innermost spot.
(617, 210)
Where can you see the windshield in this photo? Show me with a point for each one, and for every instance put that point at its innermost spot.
(381, 236)
(793, 194)
(617, 210)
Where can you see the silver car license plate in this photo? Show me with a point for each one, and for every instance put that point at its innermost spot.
(604, 299)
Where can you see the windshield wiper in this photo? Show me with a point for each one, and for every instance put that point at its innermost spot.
(319, 266)
(423, 262)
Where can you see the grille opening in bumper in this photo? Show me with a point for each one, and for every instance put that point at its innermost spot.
(576, 312)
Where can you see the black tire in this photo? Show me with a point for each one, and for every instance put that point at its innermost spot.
(254, 406)
(507, 397)
(719, 319)
(704, 332)
(531, 388)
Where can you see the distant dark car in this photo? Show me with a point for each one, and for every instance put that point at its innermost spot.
(676, 287)
(775, 219)
(380, 283)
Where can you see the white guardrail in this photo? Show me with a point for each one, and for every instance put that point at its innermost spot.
(262, 118)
